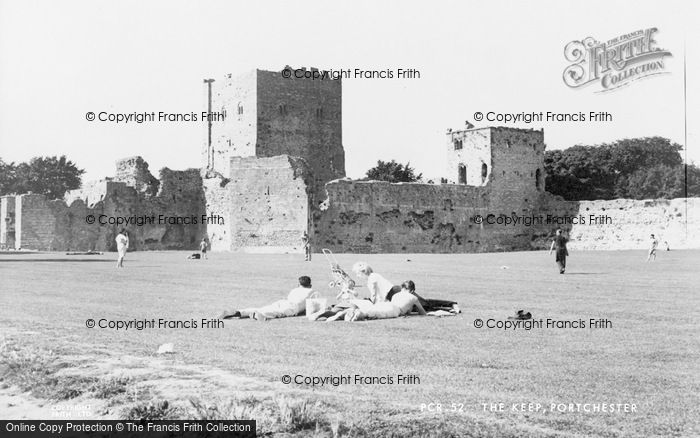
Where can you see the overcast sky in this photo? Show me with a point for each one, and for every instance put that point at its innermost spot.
(60, 60)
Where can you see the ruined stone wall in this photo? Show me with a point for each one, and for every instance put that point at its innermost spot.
(374, 217)
(91, 192)
(627, 224)
(62, 225)
(134, 172)
(218, 202)
(270, 203)
(302, 118)
(377, 217)
(36, 223)
(236, 135)
(7, 222)
(181, 194)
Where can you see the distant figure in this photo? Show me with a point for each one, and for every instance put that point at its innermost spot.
(122, 240)
(306, 242)
(203, 245)
(668, 248)
(652, 250)
(559, 243)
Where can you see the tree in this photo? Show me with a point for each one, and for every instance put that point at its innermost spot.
(393, 172)
(615, 170)
(663, 181)
(7, 177)
(50, 176)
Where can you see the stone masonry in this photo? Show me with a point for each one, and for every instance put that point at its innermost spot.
(275, 169)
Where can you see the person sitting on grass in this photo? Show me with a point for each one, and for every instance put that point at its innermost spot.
(294, 305)
(402, 303)
(378, 286)
(397, 306)
(380, 289)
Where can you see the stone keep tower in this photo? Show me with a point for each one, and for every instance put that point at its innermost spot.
(509, 161)
(269, 115)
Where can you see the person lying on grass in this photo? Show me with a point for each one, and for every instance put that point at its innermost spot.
(432, 305)
(402, 303)
(294, 305)
(384, 309)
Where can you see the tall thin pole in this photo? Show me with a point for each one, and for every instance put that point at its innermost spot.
(685, 137)
(210, 152)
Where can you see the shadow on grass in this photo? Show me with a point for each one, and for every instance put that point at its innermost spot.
(58, 260)
(586, 273)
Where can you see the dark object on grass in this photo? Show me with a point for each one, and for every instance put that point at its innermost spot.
(91, 252)
(195, 256)
(521, 315)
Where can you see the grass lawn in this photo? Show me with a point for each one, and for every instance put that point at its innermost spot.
(649, 358)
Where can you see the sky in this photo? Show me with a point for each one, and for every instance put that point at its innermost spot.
(60, 60)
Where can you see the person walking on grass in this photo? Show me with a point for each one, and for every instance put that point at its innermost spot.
(203, 246)
(652, 250)
(122, 240)
(559, 244)
(306, 243)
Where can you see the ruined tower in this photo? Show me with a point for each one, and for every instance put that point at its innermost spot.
(268, 114)
(509, 161)
(280, 143)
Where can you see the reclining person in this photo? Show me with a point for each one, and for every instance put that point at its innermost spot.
(430, 305)
(402, 303)
(294, 305)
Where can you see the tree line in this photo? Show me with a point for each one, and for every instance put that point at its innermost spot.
(50, 176)
(638, 168)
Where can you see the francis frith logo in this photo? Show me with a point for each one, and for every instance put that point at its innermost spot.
(614, 63)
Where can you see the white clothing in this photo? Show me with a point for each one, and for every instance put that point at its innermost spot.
(298, 296)
(278, 309)
(292, 306)
(122, 244)
(387, 309)
(405, 301)
(378, 287)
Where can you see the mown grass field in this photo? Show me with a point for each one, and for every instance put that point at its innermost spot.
(648, 358)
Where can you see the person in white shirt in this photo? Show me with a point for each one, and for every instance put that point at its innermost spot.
(122, 240)
(294, 305)
(652, 250)
(380, 289)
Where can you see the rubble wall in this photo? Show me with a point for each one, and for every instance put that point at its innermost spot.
(270, 200)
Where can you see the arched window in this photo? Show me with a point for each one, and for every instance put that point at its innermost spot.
(484, 172)
(462, 174)
(538, 179)
(240, 108)
(457, 143)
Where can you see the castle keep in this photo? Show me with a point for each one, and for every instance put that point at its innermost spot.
(274, 168)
